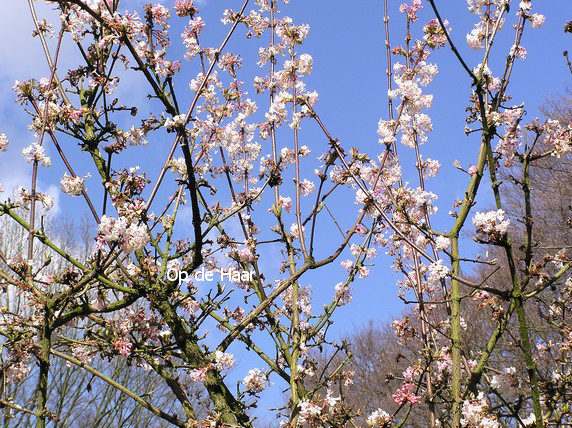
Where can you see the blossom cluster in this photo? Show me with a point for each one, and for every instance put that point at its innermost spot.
(73, 186)
(36, 153)
(131, 237)
(255, 381)
(491, 224)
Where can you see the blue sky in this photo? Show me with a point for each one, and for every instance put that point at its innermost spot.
(347, 44)
(349, 74)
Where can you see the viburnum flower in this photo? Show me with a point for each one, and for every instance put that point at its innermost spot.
(358, 251)
(291, 34)
(309, 411)
(178, 165)
(411, 11)
(46, 200)
(379, 419)
(525, 5)
(177, 122)
(111, 229)
(136, 237)
(136, 137)
(506, 382)
(347, 265)
(363, 272)
(536, 20)
(255, 381)
(476, 36)
(35, 152)
(304, 299)
(476, 414)
(83, 353)
(412, 373)
(288, 156)
(296, 118)
(558, 136)
(305, 63)
(160, 14)
(17, 371)
(75, 115)
(306, 187)
(343, 293)
(223, 360)
(493, 83)
(198, 375)
(246, 255)
(386, 132)
(132, 237)
(286, 203)
(123, 346)
(405, 394)
(437, 272)
(491, 223)
(295, 230)
(23, 197)
(518, 52)
(442, 243)
(3, 143)
(73, 186)
(196, 25)
(431, 167)
(190, 305)
(185, 8)
(237, 314)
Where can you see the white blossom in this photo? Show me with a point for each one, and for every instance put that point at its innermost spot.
(343, 293)
(305, 63)
(223, 360)
(491, 223)
(437, 272)
(379, 419)
(3, 143)
(255, 381)
(73, 186)
(442, 243)
(35, 152)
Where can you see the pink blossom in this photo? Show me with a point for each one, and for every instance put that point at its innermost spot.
(123, 346)
(518, 52)
(185, 8)
(198, 375)
(405, 394)
(411, 10)
(536, 20)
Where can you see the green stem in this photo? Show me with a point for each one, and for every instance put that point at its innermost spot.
(229, 408)
(44, 362)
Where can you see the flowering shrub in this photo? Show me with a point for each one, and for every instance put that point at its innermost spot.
(234, 185)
